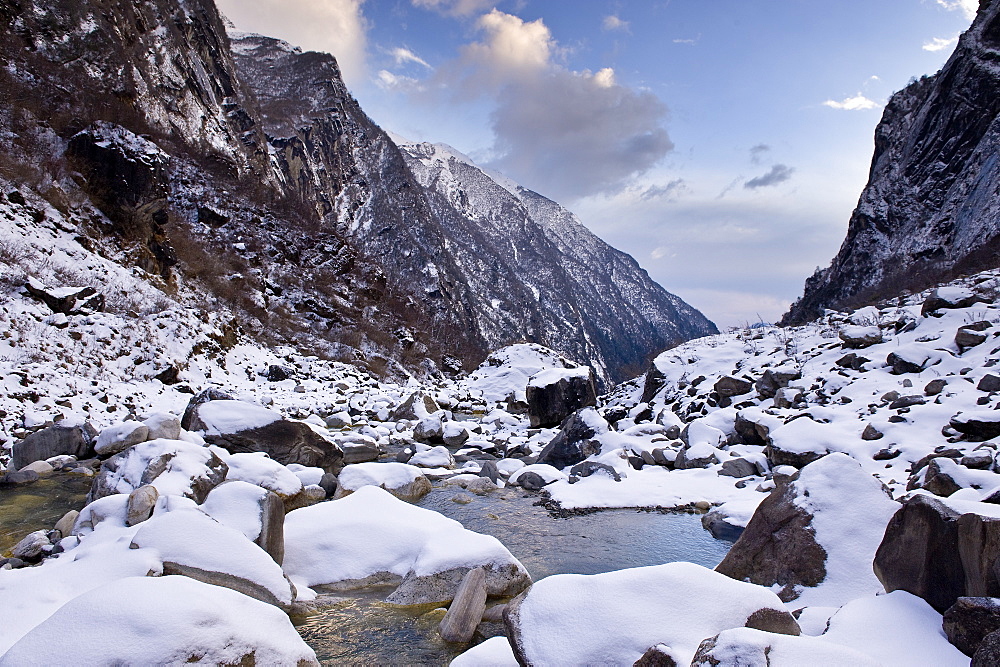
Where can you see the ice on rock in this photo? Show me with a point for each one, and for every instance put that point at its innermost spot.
(371, 536)
(161, 620)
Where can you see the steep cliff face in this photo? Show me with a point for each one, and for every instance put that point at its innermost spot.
(931, 208)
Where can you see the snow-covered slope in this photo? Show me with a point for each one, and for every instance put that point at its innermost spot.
(931, 209)
(537, 270)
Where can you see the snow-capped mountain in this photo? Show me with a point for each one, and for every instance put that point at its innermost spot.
(535, 269)
(931, 208)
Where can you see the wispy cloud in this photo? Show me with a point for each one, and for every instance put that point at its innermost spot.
(940, 43)
(778, 173)
(403, 55)
(967, 7)
(668, 192)
(612, 23)
(857, 103)
(691, 41)
(758, 152)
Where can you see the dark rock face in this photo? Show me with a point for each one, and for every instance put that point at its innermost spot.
(53, 441)
(286, 442)
(771, 381)
(988, 653)
(778, 546)
(549, 405)
(929, 210)
(969, 620)
(575, 440)
(977, 425)
(729, 386)
(931, 551)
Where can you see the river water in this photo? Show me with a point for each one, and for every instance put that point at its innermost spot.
(362, 629)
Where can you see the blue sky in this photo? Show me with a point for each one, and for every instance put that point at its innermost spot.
(723, 144)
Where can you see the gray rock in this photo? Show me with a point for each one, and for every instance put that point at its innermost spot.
(18, 478)
(788, 397)
(777, 456)
(360, 452)
(329, 484)
(490, 470)
(931, 551)
(969, 620)
(140, 504)
(989, 383)
(204, 396)
(588, 468)
(466, 610)
(938, 300)
(979, 425)
(75, 440)
(860, 337)
(715, 523)
(285, 441)
(71, 301)
(773, 620)
(531, 481)
(40, 468)
(279, 373)
(981, 459)
(272, 527)
(409, 409)
(163, 425)
(738, 467)
(853, 361)
(120, 437)
(935, 387)
(988, 652)
(773, 380)
(31, 546)
(685, 461)
(901, 365)
(966, 338)
(778, 546)
(429, 430)
(501, 581)
(729, 386)
(657, 656)
(575, 440)
(454, 434)
(65, 524)
(871, 433)
(549, 405)
(907, 401)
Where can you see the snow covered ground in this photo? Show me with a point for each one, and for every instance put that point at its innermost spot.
(849, 414)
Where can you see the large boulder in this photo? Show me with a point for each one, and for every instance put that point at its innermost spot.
(728, 386)
(677, 604)
(940, 553)
(806, 534)
(402, 480)
(577, 439)
(969, 620)
(417, 406)
(173, 467)
(74, 439)
(977, 424)
(947, 298)
(66, 300)
(858, 337)
(204, 396)
(743, 647)
(555, 393)
(371, 537)
(162, 621)
(774, 379)
(240, 427)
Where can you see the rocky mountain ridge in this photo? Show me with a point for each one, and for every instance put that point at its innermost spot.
(931, 209)
(242, 177)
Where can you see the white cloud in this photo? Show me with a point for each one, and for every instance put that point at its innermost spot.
(513, 47)
(386, 80)
(612, 23)
(857, 103)
(940, 43)
(331, 26)
(403, 55)
(967, 7)
(455, 7)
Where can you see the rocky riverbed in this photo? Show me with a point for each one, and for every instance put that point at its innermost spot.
(851, 460)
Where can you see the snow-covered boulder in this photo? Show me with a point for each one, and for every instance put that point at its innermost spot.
(402, 480)
(417, 406)
(505, 373)
(193, 544)
(240, 427)
(807, 534)
(114, 439)
(163, 425)
(555, 393)
(256, 512)
(533, 477)
(261, 470)
(432, 457)
(162, 620)
(174, 467)
(370, 537)
(628, 611)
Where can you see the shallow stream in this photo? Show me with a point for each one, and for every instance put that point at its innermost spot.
(38, 506)
(362, 629)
